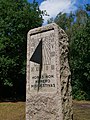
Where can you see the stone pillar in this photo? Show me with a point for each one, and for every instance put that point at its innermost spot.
(48, 89)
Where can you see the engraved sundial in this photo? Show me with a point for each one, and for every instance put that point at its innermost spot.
(42, 63)
(37, 58)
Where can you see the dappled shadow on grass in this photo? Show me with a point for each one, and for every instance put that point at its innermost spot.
(22, 99)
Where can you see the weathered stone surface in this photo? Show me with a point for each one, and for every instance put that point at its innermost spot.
(53, 101)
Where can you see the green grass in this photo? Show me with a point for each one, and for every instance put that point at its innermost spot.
(16, 111)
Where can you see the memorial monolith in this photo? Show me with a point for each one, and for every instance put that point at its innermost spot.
(48, 88)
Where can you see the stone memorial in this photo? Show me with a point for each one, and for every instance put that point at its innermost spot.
(48, 88)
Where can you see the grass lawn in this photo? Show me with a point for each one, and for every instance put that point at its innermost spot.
(16, 110)
(81, 110)
(12, 111)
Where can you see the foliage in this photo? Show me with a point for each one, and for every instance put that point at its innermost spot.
(17, 17)
(77, 26)
(51, 20)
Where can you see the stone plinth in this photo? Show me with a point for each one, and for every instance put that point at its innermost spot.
(48, 89)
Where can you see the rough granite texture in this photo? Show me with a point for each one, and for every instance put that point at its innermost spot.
(56, 105)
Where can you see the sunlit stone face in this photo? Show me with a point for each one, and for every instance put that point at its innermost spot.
(48, 72)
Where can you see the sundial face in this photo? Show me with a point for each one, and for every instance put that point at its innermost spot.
(43, 62)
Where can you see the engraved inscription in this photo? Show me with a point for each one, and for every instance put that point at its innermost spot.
(46, 67)
(48, 73)
(52, 67)
(32, 69)
(52, 54)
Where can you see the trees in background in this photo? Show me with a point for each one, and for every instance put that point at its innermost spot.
(77, 27)
(17, 17)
